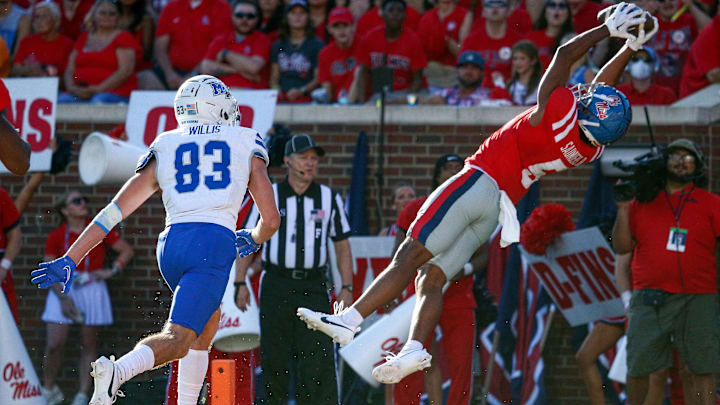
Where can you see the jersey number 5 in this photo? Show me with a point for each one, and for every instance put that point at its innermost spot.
(183, 170)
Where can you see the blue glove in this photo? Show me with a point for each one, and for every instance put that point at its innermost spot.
(244, 243)
(57, 271)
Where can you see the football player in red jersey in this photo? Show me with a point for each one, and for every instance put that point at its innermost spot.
(566, 129)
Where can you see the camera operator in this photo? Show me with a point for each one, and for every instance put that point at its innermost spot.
(674, 304)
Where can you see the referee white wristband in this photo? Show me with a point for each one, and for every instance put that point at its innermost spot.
(468, 268)
(625, 297)
(6, 263)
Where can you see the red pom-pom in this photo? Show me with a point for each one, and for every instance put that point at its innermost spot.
(544, 224)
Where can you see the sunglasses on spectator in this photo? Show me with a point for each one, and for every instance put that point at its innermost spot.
(79, 201)
(552, 4)
(687, 158)
(249, 16)
(636, 58)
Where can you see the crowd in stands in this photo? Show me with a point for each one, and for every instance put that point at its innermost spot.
(465, 52)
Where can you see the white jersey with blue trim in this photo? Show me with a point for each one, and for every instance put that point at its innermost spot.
(203, 171)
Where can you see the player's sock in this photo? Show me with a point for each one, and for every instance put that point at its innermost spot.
(412, 345)
(139, 360)
(191, 374)
(352, 317)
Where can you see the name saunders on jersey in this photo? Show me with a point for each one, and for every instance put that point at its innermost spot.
(573, 156)
(204, 129)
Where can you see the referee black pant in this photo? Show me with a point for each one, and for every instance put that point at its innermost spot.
(285, 339)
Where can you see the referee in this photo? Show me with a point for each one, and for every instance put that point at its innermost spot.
(295, 261)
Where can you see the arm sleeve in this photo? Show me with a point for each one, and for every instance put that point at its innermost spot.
(339, 224)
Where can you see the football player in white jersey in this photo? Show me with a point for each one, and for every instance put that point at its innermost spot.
(203, 169)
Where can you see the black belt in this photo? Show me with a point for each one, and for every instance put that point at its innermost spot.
(316, 273)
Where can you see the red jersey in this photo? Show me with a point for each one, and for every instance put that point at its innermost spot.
(94, 67)
(656, 262)
(33, 48)
(433, 31)
(60, 240)
(192, 29)
(4, 96)
(254, 45)
(672, 43)
(460, 293)
(404, 55)
(586, 17)
(653, 95)
(704, 56)
(545, 45)
(337, 66)
(519, 154)
(372, 19)
(497, 53)
(72, 28)
(9, 216)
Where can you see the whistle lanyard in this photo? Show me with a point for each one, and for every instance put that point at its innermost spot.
(86, 262)
(677, 211)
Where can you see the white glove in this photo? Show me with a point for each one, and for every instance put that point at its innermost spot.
(623, 18)
(643, 36)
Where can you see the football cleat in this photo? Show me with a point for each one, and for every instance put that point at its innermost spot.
(399, 366)
(331, 325)
(106, 382)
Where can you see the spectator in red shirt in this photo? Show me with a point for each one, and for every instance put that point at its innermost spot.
(46, 52)
(319, 11)
(138, 18)
(526, 74)
(10, 243)
(87, 303)
(73, 13)
(184, 32)
(402, 195)
(641, 90)
(553, 24)
(469, 92)
(373, 18)
(338, 60)
(394, 47)
(519, 19)
(702, 67)
(440, 30)
(672, 42)
(294, 57)
(584, 13)
(494, 42)
(101, 67)
(272, 15)
(240, 59)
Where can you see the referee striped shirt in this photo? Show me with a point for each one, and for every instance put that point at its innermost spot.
(306, 223)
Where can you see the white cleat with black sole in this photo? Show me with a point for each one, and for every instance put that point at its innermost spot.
(399, 366)
(331, 325)
(106, 382)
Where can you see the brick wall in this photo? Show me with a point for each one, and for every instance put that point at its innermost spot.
(140, 299)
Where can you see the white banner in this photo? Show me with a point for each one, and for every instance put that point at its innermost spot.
(151, 113)
(19, 384)
(577, 271)
(32, 110)
(370, 256)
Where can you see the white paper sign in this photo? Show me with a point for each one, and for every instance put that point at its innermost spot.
(32, 110)
(151, 113)
(577, 271)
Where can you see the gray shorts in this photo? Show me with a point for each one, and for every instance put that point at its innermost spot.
(457, 218)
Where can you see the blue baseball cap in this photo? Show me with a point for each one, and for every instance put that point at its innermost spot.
(294, 3)
(471, 58)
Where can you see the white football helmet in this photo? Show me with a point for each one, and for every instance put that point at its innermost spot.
(205, 99)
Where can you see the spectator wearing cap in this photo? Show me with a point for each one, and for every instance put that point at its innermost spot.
(674, 304)
(393, 47)
(494, 42)
(184, 28)
(294, 57)
(240, 58)
(702, 67)
(338, 60)
(373, 18)
(641, 90)
(457, 321)
(553, 24)
(469, 92)
(46, 52)
(295, 262)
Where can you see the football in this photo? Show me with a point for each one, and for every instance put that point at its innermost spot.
(607, 12)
